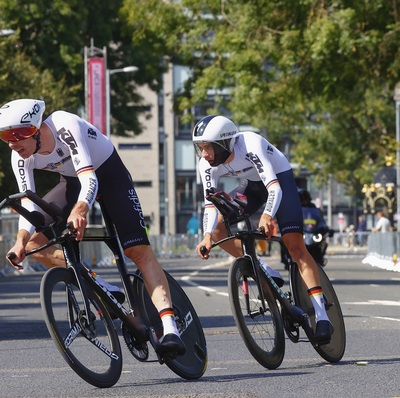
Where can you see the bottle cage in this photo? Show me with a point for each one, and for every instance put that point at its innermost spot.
(232, 208)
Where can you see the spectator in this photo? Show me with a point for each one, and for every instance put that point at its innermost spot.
(383, 224)
(192, 225)
(360, 231)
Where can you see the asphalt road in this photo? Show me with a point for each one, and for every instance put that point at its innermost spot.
(30, 366)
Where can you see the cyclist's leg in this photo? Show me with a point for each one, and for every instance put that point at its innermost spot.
(290, 220)
(127, 217)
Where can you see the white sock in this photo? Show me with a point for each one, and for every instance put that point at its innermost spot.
(317, 299)
(168, 321)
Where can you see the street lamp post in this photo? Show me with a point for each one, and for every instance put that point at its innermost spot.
(110, 72)
(397, 101)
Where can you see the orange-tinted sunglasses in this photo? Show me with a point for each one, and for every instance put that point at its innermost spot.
(19, 134)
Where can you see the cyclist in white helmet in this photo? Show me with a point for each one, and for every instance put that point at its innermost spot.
(89, 166)
(267, 179)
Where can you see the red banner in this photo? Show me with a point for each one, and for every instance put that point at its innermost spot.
(96, 93)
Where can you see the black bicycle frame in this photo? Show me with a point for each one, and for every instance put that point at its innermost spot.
(131, 318)
(248, 239)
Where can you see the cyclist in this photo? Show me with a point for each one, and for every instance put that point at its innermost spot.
(314, 222)
(266, 178)
(88, 165)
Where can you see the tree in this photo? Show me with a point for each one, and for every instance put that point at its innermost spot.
(321, 72)
(53, 33)
(20, 79)
(44, 59)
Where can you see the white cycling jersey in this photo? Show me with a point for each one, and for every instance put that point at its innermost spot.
(80, 149)
(255, 159)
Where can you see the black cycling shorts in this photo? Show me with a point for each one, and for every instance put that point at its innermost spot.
(289, 215)
(119, 199)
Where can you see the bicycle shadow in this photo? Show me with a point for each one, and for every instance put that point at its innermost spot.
(298, 370)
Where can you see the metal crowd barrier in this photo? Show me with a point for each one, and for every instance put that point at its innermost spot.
(97, 254)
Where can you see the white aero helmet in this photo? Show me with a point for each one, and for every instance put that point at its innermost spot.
(218, 131)
(20, 119)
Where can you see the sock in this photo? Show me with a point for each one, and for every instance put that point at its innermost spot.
(317, 299)
(168, 320)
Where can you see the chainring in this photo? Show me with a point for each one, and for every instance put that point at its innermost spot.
(139, 351)
(291, 330)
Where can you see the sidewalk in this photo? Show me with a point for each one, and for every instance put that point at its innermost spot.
(339, 249)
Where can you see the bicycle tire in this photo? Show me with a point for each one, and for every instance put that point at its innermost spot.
(263, 334)
(193, 363)
(334, 351)
(96, 359)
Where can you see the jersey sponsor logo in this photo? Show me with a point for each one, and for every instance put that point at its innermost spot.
(91, 133)
(22, 175)
(128, 242)
(290, 228)
(54, 166)
(136, 206)
(60, 152)
(270, 201)
(256, 161)
(91, 192)
(68, 139)
(207, 177)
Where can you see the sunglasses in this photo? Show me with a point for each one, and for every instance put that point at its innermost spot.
(18, 134)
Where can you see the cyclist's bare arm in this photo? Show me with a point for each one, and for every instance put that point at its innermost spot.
(78, 218)
(18, 249)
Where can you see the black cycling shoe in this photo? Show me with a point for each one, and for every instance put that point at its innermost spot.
(323, 333)
(171, 344)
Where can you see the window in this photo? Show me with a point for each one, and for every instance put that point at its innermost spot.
(123, 146)
(143, 184)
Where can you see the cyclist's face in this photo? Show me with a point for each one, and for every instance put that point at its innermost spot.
(25, 148)
(207, 151)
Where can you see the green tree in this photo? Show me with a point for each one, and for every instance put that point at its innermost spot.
(20, 79)
(53, 33)
(321, 72)
(44, 59)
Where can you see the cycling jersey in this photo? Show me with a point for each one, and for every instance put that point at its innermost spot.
(78, 156)
(260, 165)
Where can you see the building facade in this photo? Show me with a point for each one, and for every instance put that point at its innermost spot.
(162, 162)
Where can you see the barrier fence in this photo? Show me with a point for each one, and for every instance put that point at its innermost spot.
(382, 250)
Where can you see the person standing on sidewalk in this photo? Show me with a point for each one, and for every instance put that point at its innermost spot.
(383, 224)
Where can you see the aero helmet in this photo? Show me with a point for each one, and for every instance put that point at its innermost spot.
(220, 132)
(20, 119)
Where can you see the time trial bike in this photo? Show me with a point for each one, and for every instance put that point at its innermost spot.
(261, 309)
(81, 313)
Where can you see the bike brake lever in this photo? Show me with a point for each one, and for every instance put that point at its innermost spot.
(203, 250)
(10, 257)
(262, 230)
